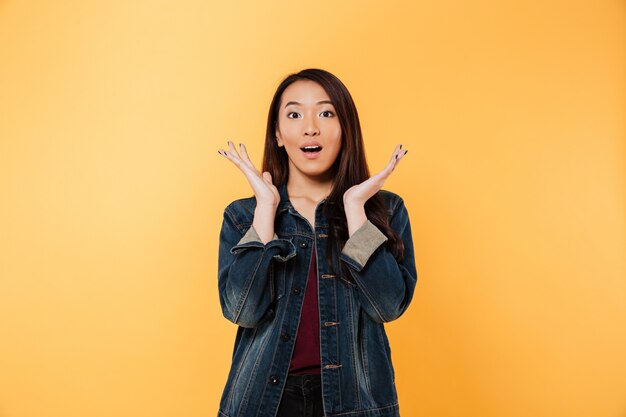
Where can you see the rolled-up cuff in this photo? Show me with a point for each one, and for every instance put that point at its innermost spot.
(363, 243)
(251, 239)
(252, 236)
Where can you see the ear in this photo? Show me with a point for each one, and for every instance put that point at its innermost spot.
(279, 140)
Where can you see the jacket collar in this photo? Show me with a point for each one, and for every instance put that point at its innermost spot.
(284, 203)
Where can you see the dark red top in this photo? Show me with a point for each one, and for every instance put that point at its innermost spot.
(306, 353)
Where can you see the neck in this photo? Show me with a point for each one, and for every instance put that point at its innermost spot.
(309, 188)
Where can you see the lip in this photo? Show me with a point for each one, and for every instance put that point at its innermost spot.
(311, 155)
(311, 143)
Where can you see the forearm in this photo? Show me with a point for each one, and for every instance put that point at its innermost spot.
(386, 285)
(263, 222)
(244, 279)
(355, 216)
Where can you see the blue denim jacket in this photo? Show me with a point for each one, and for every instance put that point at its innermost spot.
(261, 288)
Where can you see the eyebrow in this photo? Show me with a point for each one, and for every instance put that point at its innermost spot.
(319, 102)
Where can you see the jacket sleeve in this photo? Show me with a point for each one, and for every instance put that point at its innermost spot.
(244, 271)
(384, 285)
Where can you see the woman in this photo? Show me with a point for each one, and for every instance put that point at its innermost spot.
(313, 264)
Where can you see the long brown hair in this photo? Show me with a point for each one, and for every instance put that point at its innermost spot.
(349, 169)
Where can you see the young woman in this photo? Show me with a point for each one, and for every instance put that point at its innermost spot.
(313, 264)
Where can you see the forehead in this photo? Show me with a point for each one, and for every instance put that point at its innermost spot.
(306, 92)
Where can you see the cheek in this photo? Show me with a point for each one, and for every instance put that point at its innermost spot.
(337, 129)
(337, 137)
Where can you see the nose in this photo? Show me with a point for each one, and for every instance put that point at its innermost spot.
(311, 128)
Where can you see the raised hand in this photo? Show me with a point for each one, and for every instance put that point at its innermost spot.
(358, 194)
(265, 191)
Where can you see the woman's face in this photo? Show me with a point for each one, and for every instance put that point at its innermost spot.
(306, 118)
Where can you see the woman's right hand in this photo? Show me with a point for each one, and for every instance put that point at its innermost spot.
(265, 192)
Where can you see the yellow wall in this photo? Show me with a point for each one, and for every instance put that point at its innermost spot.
(112, 191)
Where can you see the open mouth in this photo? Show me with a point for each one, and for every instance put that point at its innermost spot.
(311, 149)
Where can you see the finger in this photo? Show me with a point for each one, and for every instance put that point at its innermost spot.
(230, 155)
(234, 152)
(244, 156)
(244, 161)
(396, 150)
(231, 150)
(393, 160)
(233, 156)
(401, 154)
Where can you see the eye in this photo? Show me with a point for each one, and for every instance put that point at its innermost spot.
(290, 113)
(331, 114)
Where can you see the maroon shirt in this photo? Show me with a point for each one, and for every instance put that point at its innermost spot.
(306, 353)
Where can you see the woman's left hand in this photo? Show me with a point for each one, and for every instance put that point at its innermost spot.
(358, 194)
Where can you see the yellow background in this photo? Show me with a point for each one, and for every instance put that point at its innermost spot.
(112, 193)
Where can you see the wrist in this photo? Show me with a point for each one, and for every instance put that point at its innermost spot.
(266, 208)
(355, 217)
(353, 205)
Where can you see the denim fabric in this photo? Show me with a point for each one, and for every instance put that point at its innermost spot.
(302, 397)
(261, 289)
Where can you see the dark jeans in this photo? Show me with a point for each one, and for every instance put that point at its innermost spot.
(302, 397)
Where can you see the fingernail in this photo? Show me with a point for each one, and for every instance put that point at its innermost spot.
(400, 146)
(396, 156)
(406, 151)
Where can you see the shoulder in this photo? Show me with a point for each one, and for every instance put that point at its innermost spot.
(241, 211)
(392, 201)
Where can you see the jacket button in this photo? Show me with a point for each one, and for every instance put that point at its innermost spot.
(274, 379)
(295, 290)
(303, 244)
(285, 337)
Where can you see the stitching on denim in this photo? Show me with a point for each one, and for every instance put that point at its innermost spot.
(338, 353)
(273, 356)
(364, 355)
(272, 280)
(371, 300)
(246, 289)
(245, 225)
(351, 333)
(255, 371)
(385, 344)
(352, 284)
(366, 410)
(380, 342)
(233, 220)
(236, 377)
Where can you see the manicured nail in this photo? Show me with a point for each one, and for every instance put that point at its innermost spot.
(396, 156)
(400, 146)
(406, 151)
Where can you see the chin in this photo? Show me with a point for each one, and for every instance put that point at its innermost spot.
(322, 174)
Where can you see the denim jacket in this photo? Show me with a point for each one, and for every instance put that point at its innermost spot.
(261, 289)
